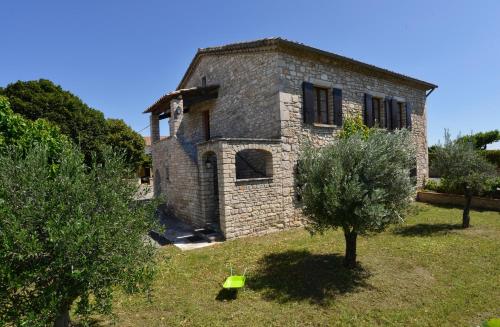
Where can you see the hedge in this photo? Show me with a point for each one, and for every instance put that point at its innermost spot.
(492, 156)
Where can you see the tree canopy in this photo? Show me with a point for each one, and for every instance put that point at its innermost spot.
(87, 127)
(78, 234)
(360, 183)
(121, 136)
(23, 133)
(482, 139)
(68, 231)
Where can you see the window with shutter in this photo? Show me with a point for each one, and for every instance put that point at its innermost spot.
(378, 112)
(374, 112)
(387, 110)
(308, 102)
(368, 112)
(321, 105)
(395, 114)
(206, 125)
(408, 115)
(337, 106)
(402, 114)
(317, 107)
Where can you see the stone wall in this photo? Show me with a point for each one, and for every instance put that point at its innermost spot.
(295, 69)
(246, 106)
(179, 179)
(252, 206)
(458, 200)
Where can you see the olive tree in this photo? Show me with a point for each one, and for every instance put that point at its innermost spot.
(360, 183)
(69, 234)
(463, 168)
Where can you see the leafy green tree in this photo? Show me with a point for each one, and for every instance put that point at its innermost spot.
(482, 139)
(120, 136)
(17, 131)
(43, 99)
(69, 232)
(360, 183)
(462, 167)
(87, 127)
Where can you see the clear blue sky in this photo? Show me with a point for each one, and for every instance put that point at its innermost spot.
(120, 56)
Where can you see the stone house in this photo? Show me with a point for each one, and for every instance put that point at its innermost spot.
(240, 114)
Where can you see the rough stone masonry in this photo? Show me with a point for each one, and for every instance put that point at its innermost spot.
(238, 119)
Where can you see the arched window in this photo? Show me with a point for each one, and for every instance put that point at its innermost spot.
(254, 163)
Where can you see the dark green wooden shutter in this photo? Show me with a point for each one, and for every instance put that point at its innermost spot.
(308, 102)
(408, 115)
(395, 116)
(387, 113)
(337, 107)
(368, 113)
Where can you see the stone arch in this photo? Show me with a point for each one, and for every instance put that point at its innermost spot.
(253, 163)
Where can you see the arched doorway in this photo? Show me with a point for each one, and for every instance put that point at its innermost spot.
(210, 187)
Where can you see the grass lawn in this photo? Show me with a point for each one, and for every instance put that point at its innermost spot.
(427, 272)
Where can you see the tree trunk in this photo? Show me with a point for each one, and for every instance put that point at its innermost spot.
(466, 214)
(350, 249)
(63, 319)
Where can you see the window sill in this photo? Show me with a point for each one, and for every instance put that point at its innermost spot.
(325, 125)
(260, 179)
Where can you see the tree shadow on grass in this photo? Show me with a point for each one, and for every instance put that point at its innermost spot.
(301, 275)
(91, 322)
(426, 229)
(227, 295)
(453, 206)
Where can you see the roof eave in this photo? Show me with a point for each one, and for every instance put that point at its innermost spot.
(165, 99)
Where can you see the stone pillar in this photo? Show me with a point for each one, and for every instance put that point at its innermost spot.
(155, 128)
(176, 109)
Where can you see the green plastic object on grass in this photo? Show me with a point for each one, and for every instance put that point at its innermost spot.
(494, 322)
(235, 281)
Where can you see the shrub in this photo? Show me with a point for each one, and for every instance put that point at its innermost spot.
(354, 126)
(492, 156)
(433, 185)
(492, 188)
